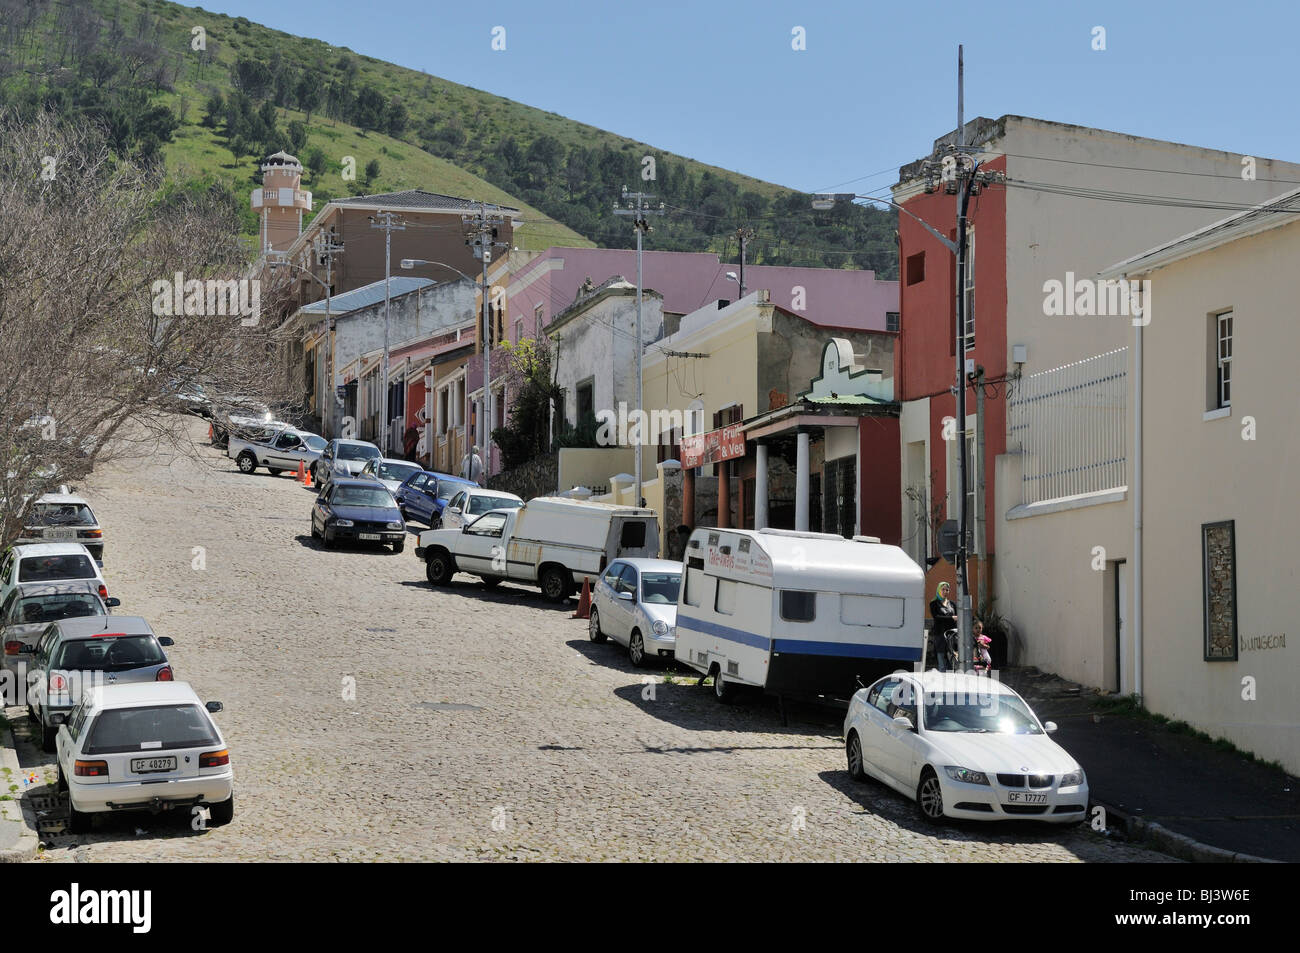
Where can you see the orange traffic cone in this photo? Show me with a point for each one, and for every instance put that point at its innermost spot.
(584, 601)
(306, 478)
(209, 433)
(302, 473)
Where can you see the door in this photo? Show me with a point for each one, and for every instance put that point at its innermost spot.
(480, 544)
(900, 746)
(624, 609)
(452, 512)
(1122, 674)
(876, 723)
(286, 452)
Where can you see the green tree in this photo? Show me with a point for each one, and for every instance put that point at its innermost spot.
(308, 93)
(315, 163)
(372, 170)
(297, 136)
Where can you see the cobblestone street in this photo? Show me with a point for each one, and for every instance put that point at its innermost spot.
(484, 724)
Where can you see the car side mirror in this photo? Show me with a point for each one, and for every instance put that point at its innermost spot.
(627, 596)
(112, 602)
(59, 718)
(1049, 726)
(214, 707)
(902, 721)
(165, 640)
(454, 509)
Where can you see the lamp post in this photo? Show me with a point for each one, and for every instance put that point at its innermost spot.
(412, 263)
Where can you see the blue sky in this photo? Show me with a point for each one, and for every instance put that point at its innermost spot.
(719, 81)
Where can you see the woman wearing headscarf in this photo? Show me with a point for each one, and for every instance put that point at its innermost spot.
(944, 614)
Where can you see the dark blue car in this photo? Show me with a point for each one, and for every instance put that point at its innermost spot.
(423, 495)
(360, 510)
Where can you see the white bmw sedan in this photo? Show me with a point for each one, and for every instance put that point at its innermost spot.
(962, 746)
(147, 746)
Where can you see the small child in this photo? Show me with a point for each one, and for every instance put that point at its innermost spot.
(983, 662)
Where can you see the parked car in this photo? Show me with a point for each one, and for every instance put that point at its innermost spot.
(28, 610)
(962, 746)
(279, 451)
(72, 654)
(549, 541)
(635, 604)
(391, 473)
(63, 516)
(471, 503)
(424, 495)
(143, 746)
(48, 562)
(342, 457)
(357, 509)
(241, 416)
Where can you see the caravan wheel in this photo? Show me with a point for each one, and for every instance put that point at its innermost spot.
(723, 690)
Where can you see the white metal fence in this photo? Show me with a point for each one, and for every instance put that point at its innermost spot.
(1071, 427)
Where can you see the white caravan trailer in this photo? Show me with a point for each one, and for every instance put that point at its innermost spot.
(797, 613)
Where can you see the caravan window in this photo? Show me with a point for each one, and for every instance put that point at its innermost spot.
(881, 611)
(694, 594)
(797, 606)
(632, 536)
(724, 601)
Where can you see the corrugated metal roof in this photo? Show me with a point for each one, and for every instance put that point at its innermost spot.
(369, 295)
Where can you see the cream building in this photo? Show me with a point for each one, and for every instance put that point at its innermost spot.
(1220, 440)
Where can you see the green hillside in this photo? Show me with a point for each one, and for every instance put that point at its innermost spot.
(209, 114)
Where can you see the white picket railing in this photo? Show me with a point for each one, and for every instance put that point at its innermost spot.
(1070, 423)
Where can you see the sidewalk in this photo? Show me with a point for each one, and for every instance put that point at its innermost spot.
(18, 839)
(1191, 798)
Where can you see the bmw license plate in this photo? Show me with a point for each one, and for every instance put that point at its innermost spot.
(369, 536)
(152, 765)
(1022, 797)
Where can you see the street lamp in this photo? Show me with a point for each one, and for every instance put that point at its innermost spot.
(487, 442)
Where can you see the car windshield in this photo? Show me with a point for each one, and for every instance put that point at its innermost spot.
(49, 568)
(150, 729)
(983, 712)
(449, 488)
(660, 588)
(61, 514)
(56, 606)
(362, 496)
(314, 442)
(481, 504)
(397, 471)
(357, 451)
(108, 653)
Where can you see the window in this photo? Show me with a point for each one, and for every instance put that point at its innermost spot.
(916, 268)
(694, 587)
(891, 320)
(627, 581)
(1223, 360)
(586, 400)
(490, 524)
(1219, 582)
(880, 611)
(884, 697)
(457, 501)
(968, 290)
(519, 330)
(724, 599)
(612, 574)
(120, 730)
(632, 535)
(538, 317)
(798, 606)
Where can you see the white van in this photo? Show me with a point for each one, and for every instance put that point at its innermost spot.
(798, 614)
(550, 541)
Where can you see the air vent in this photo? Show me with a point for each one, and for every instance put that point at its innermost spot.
(725, 550)
(733, 668)
(701, 656)
(695, 562)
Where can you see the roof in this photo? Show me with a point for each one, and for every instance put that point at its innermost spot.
(499, 494)
(85, 627)
(957, 683)
(29, 550)
(563, 501)
(368, 295)
(650, 565)
(1261, 218)
(349, 442)
(416, 199)
(137, 694)
(61, 496)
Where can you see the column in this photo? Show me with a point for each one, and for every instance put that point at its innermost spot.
(760, 486)
(688, 497)
(801, 483)
(724, 494)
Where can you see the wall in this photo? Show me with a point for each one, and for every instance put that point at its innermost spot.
(537, 477)
(1202, 471)
(593, 466)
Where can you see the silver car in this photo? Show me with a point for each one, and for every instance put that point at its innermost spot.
(344, 458)
(28, 611)
(77, 654)
(635, 604)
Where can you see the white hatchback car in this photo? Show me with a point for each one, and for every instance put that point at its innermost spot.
(148, 746)
(62, 516)
(635, 604)
(962, 746)
(471, 503)
(49, 562)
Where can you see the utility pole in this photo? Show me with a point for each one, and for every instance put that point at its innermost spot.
(638, 211)
(326, 249)
(483, 234)
(743, 235)
(388, 227)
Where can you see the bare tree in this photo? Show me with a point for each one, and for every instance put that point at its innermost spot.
(117, 290)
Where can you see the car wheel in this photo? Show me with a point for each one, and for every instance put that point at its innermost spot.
(314, 533)
(438, 569)
(327, 538)
(555, 584)
(399, 546)
(313, 472)
(853, 748)
(636, 649)
(48, 737)
(78, 821)
(929, 796)
(247, 462)
(723, 690)
(222, 813)
(274, 472)
(491, 582)
(593, 627)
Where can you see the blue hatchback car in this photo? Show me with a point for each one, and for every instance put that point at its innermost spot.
(423, 495)
(357, 509)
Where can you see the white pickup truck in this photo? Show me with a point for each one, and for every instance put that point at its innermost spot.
(282, 449)
(550, 542)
